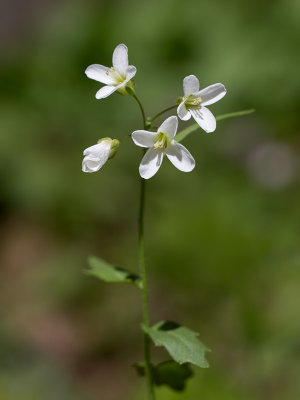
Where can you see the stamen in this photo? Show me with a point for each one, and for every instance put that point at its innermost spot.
(162, 141)
(192, 101)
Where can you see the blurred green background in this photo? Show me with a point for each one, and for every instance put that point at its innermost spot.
(222, 242)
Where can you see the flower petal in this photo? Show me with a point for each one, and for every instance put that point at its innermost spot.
(180, 157)
(98, 148)
(169, 126)
(100, 73)
(130, 72)
(120, 59)
(204, 119)
(190, 85)
(150, 163)
(105, 91)
(182, 112)
(96, 156)
(212, 94)
(90, 164)
(143, 138)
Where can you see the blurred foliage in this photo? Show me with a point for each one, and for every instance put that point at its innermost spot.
(168, 373)
(222, 242)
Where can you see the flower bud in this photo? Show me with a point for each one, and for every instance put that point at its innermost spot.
(148, 123)
(96, 156)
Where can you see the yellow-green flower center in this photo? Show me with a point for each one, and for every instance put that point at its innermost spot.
(192, 101)
(119, 78)
(161, 141)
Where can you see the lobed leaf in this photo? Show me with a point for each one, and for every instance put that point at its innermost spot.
(168, 373)
(109, 273)
(181, 343)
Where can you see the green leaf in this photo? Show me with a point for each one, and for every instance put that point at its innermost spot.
(109, 273)
(168, 373)
(172, 374)
(181, 343)
(183, 134)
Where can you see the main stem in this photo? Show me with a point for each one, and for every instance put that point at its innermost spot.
(148, 371)
(141, 108)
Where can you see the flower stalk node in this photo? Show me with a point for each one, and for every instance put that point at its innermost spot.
(148, 123)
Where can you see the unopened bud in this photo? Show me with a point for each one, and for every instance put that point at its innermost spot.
(148, 123)
(97, 155)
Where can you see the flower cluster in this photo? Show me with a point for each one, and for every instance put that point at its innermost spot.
(118, 78)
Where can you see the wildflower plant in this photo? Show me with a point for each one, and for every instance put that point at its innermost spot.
(181, 343)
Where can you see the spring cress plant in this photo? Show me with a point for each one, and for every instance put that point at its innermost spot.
(180, 342)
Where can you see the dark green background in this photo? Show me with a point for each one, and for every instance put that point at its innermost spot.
(222, 242)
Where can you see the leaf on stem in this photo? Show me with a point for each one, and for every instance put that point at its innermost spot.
(183, 134)
(168, 373)
(181, 343)
(109, 273)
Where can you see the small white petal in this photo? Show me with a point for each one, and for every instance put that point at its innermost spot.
(143, 138)
(105, 91)
(169, 126)
(100, 73)
(96, 156)
(190, 85)
(85, 167)
(204, 119)
(212, 94)
(103, 146)
(180, 157)
(182, 112)
(90, 164)
(120, 59)
(130, 72)
(151, 162)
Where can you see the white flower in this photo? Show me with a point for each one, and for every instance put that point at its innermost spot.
(97, 155)
(162, 143)
(115, 78)
(194, 100)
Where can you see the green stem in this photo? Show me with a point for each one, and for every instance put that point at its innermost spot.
(142, 109)
(162, 112)
(151, 394)
(147, 343)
